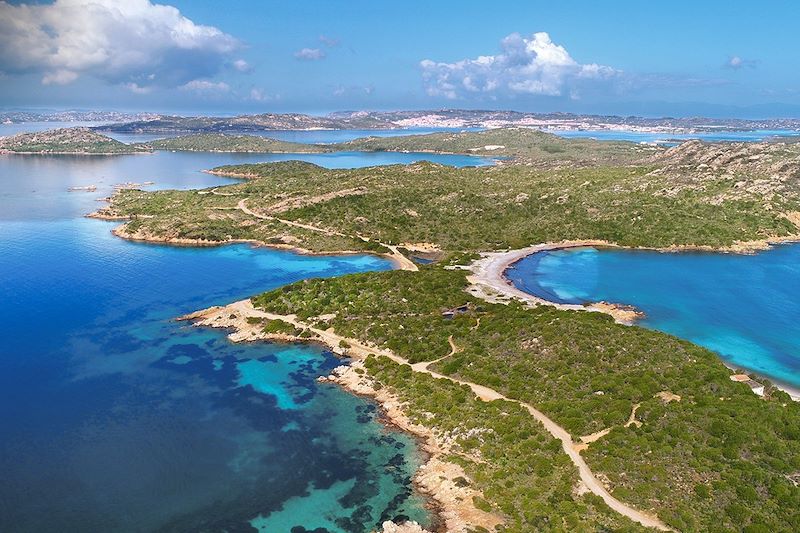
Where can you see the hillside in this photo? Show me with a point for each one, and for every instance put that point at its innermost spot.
(66, 141)
(219, 142)
(470, 209)
(662, 423)
(245, 123)
(529, 145)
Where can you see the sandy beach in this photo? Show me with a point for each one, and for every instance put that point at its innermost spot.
(490, 283)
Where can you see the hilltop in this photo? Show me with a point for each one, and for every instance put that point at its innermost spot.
(66, 141)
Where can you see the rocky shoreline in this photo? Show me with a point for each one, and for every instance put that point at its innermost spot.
(452, 503)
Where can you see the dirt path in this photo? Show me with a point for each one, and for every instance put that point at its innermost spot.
(361, 350)
(403, 262)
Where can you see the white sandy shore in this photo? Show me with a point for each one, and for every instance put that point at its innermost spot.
(489, 282)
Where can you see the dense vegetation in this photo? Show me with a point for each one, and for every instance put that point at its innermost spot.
(218, 142)
(482, 208)
(714, 458)
(519, 467)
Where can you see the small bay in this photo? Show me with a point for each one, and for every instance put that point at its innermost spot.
(744, 307)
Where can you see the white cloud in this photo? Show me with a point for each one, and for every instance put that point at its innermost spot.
(59, 77)
(242, 66)
(135, 88)
(309, 54)
(206, 87)
(259, 95)
(117, 41)
(349, 90)
(737, 62)
(534, 65)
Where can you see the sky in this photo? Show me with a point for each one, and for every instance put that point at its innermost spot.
(682, 58)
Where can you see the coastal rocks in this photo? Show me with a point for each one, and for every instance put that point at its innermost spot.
(445, 482)
(405, 527)
(625, 314)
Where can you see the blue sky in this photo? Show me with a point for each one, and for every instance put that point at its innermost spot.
(623, 57)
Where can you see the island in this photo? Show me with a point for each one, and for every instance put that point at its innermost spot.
(80, 141)
(535, 418)
(221, 142)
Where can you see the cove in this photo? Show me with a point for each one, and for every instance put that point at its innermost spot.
(744, 307)
(117, 418)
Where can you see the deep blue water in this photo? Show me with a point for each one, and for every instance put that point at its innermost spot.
(114, 417)
(744, 307)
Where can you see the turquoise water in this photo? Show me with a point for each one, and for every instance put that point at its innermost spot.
(744, 307)
(114, 417)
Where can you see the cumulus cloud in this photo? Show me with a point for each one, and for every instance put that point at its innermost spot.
(309, 54)
(205, 87)
(737, 62)
(534, 66)
(131, 42)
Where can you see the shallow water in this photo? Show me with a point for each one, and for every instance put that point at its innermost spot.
(117, 418)
(744, 307)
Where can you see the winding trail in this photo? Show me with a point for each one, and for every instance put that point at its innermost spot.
(403, 262)
(361, 350)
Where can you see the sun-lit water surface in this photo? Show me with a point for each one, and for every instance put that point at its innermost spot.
(744, 307)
